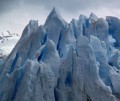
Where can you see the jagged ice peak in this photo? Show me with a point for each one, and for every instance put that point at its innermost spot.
(61, 61)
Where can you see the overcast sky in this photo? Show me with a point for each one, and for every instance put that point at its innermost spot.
(15, 14)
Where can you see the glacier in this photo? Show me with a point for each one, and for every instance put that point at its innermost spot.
(60, 61)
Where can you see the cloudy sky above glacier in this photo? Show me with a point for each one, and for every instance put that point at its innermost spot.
(15, 14)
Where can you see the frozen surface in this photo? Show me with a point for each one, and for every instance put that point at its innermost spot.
(60, 61)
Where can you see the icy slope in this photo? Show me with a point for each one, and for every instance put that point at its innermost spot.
(61, 61)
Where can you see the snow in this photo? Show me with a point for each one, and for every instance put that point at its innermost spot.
(111, 39)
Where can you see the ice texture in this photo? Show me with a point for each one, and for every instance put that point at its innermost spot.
(61, 61)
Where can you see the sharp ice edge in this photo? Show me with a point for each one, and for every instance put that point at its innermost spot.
(60, 61)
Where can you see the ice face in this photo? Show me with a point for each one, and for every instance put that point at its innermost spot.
(114, 29)
(61, 61)
(93, 18)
